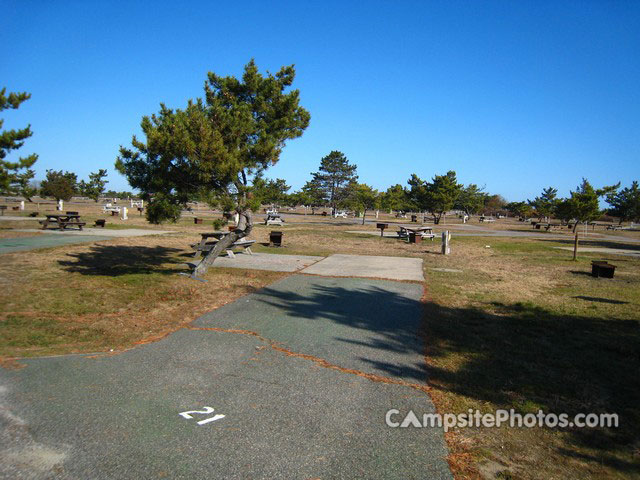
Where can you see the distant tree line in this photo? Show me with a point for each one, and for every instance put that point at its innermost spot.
(335, 186)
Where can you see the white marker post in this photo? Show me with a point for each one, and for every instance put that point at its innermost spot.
(446, 238)
(60, 205)
(124, 213)
(22, 205)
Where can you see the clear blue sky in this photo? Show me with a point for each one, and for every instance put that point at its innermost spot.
(512, 95)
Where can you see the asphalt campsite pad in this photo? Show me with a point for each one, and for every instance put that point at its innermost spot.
(20, 244)
(56, 238)
(284, 366)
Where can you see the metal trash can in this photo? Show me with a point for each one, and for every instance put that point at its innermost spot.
(602, 269)
(275, 238)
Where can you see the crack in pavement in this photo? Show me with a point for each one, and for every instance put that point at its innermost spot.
(319, 361)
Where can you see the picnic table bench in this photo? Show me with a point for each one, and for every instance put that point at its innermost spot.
(206, 245)
(423, 232)
(273, 219)
(62, 221)
(108, 208)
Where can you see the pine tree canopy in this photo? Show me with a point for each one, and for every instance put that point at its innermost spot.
(15, 176)
(215, 144)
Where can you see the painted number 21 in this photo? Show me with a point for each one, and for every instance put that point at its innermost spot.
(204, 411)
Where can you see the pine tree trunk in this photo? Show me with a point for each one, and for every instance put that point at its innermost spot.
(245, 225)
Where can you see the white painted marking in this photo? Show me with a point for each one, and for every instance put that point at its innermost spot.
(205, 411)
(212, 419)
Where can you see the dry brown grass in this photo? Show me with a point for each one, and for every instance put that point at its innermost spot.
(110, 294)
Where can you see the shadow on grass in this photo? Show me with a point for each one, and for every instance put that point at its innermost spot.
(528, 358)
(587, 243)
(581, 272)
(115, 260)
(601, 300)
(513, 356)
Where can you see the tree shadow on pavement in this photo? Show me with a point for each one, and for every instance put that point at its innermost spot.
(388, 321)
(115, 260)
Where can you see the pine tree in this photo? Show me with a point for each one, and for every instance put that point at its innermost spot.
(436, 197)
(95, 186)
(214, 146)
(625, 203)
(334, 175)
(15, 177)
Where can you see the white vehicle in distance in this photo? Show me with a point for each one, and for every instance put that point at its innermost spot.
(341, 213)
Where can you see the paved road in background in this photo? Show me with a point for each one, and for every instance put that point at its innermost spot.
(303, 372)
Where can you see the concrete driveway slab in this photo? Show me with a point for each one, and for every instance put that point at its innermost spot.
(267, 261)
(368, 266)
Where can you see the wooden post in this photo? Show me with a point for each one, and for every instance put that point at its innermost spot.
(575, 248)
(446, 238)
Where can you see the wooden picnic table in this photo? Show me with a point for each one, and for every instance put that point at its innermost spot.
(424, 232)
(415, 229)
(62, 220)
(205, 239)
(206, 245)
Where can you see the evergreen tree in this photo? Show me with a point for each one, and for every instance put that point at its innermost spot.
(95, 186)
(583, 205)
(436, 197)
(334, 176)
(470, 200)
(362, 197)
(59, 185)
(625, 204)
(545, 205)
(313, 195)
(213, 146)
(270, 192)
(396, 198)
(519, 209)
(15, 177)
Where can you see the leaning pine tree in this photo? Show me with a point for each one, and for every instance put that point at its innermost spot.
(212, 147)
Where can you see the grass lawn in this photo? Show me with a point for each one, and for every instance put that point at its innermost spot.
(107, 295)
(524, 327)
(519, 326)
